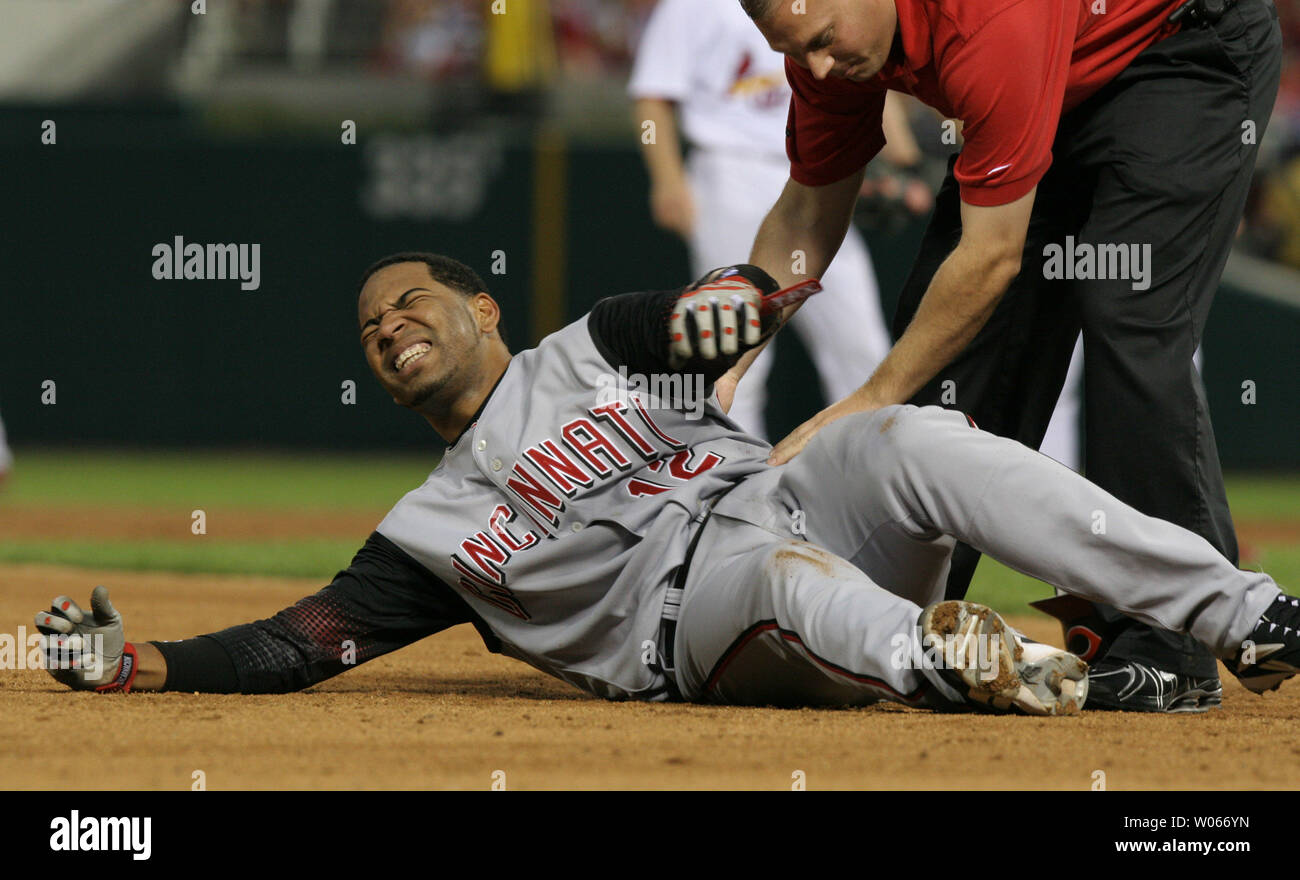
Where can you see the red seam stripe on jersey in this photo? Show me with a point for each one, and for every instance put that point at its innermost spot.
(791, 636)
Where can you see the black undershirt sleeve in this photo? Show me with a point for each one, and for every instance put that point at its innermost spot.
(631, 330)
(383, 601)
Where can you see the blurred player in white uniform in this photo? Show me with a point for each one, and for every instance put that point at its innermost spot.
(706, 60)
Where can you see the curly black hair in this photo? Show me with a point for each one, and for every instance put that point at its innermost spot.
(444, 270)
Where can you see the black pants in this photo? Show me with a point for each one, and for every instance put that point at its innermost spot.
(1161, 156)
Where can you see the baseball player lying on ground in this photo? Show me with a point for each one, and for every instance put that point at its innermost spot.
(605, 534)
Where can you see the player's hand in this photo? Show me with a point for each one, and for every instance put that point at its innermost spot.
(673, 207)
(797, 439)
(716, 317)
(87, 651)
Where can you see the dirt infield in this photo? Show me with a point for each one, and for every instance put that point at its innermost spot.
(446, 714)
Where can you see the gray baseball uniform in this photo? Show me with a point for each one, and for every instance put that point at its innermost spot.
(880, 498)
(561, 522)
(564, 519)
(563, 516)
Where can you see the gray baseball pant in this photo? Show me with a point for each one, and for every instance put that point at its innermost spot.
(808, 579)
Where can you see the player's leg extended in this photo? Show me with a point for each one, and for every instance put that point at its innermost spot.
(927, 472)
(1171, 194)
(767, 619)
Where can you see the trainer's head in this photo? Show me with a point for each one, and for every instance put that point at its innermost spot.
(432, 336)
(850, 39)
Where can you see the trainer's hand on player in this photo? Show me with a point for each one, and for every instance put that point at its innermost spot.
(86, 651)
(797, 439)
(672, 207)
(715, 319)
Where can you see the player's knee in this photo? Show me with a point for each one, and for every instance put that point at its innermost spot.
(794, 572)
(888, 451)
(900, 433)
(909, 445)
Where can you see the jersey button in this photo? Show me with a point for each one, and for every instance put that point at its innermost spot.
(496, 464)
(577, 527)
(482, 444)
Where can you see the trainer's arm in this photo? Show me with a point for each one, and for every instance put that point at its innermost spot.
(959, 300)
(805, 228)
(383, 601)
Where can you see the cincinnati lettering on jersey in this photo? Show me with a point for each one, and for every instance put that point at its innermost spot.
(586, 455)
(589, 453)
(480, 561)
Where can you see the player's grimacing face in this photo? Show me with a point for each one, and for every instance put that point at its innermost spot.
(418, 335)
(848, 39)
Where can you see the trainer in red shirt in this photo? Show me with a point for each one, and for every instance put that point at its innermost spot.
(1007, 69)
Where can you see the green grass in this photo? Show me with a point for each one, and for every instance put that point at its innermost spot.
(1010, 591)
(1253, 497)
(376, 481)
(313, 558)
(271, 480)
(1265, 496)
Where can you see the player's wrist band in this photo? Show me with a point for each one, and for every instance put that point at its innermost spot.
(202, 664)
(126, 671)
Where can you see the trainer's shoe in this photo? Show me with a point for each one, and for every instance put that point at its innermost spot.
(1271, 653)
(994, 669)
(1130, 686)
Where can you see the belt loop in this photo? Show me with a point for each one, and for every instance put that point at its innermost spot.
(673, 603)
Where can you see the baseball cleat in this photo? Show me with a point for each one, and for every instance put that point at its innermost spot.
(1132, 686)
(994, 669)
(1271, 653)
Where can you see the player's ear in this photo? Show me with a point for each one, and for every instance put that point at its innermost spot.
(487, 313)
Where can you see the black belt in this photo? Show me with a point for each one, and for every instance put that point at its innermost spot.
(672, 605)
(1201, 12)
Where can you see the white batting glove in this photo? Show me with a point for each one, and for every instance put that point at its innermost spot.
(716, 317)
(87, 651)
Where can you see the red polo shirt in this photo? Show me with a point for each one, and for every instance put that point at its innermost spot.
(1006, 68)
